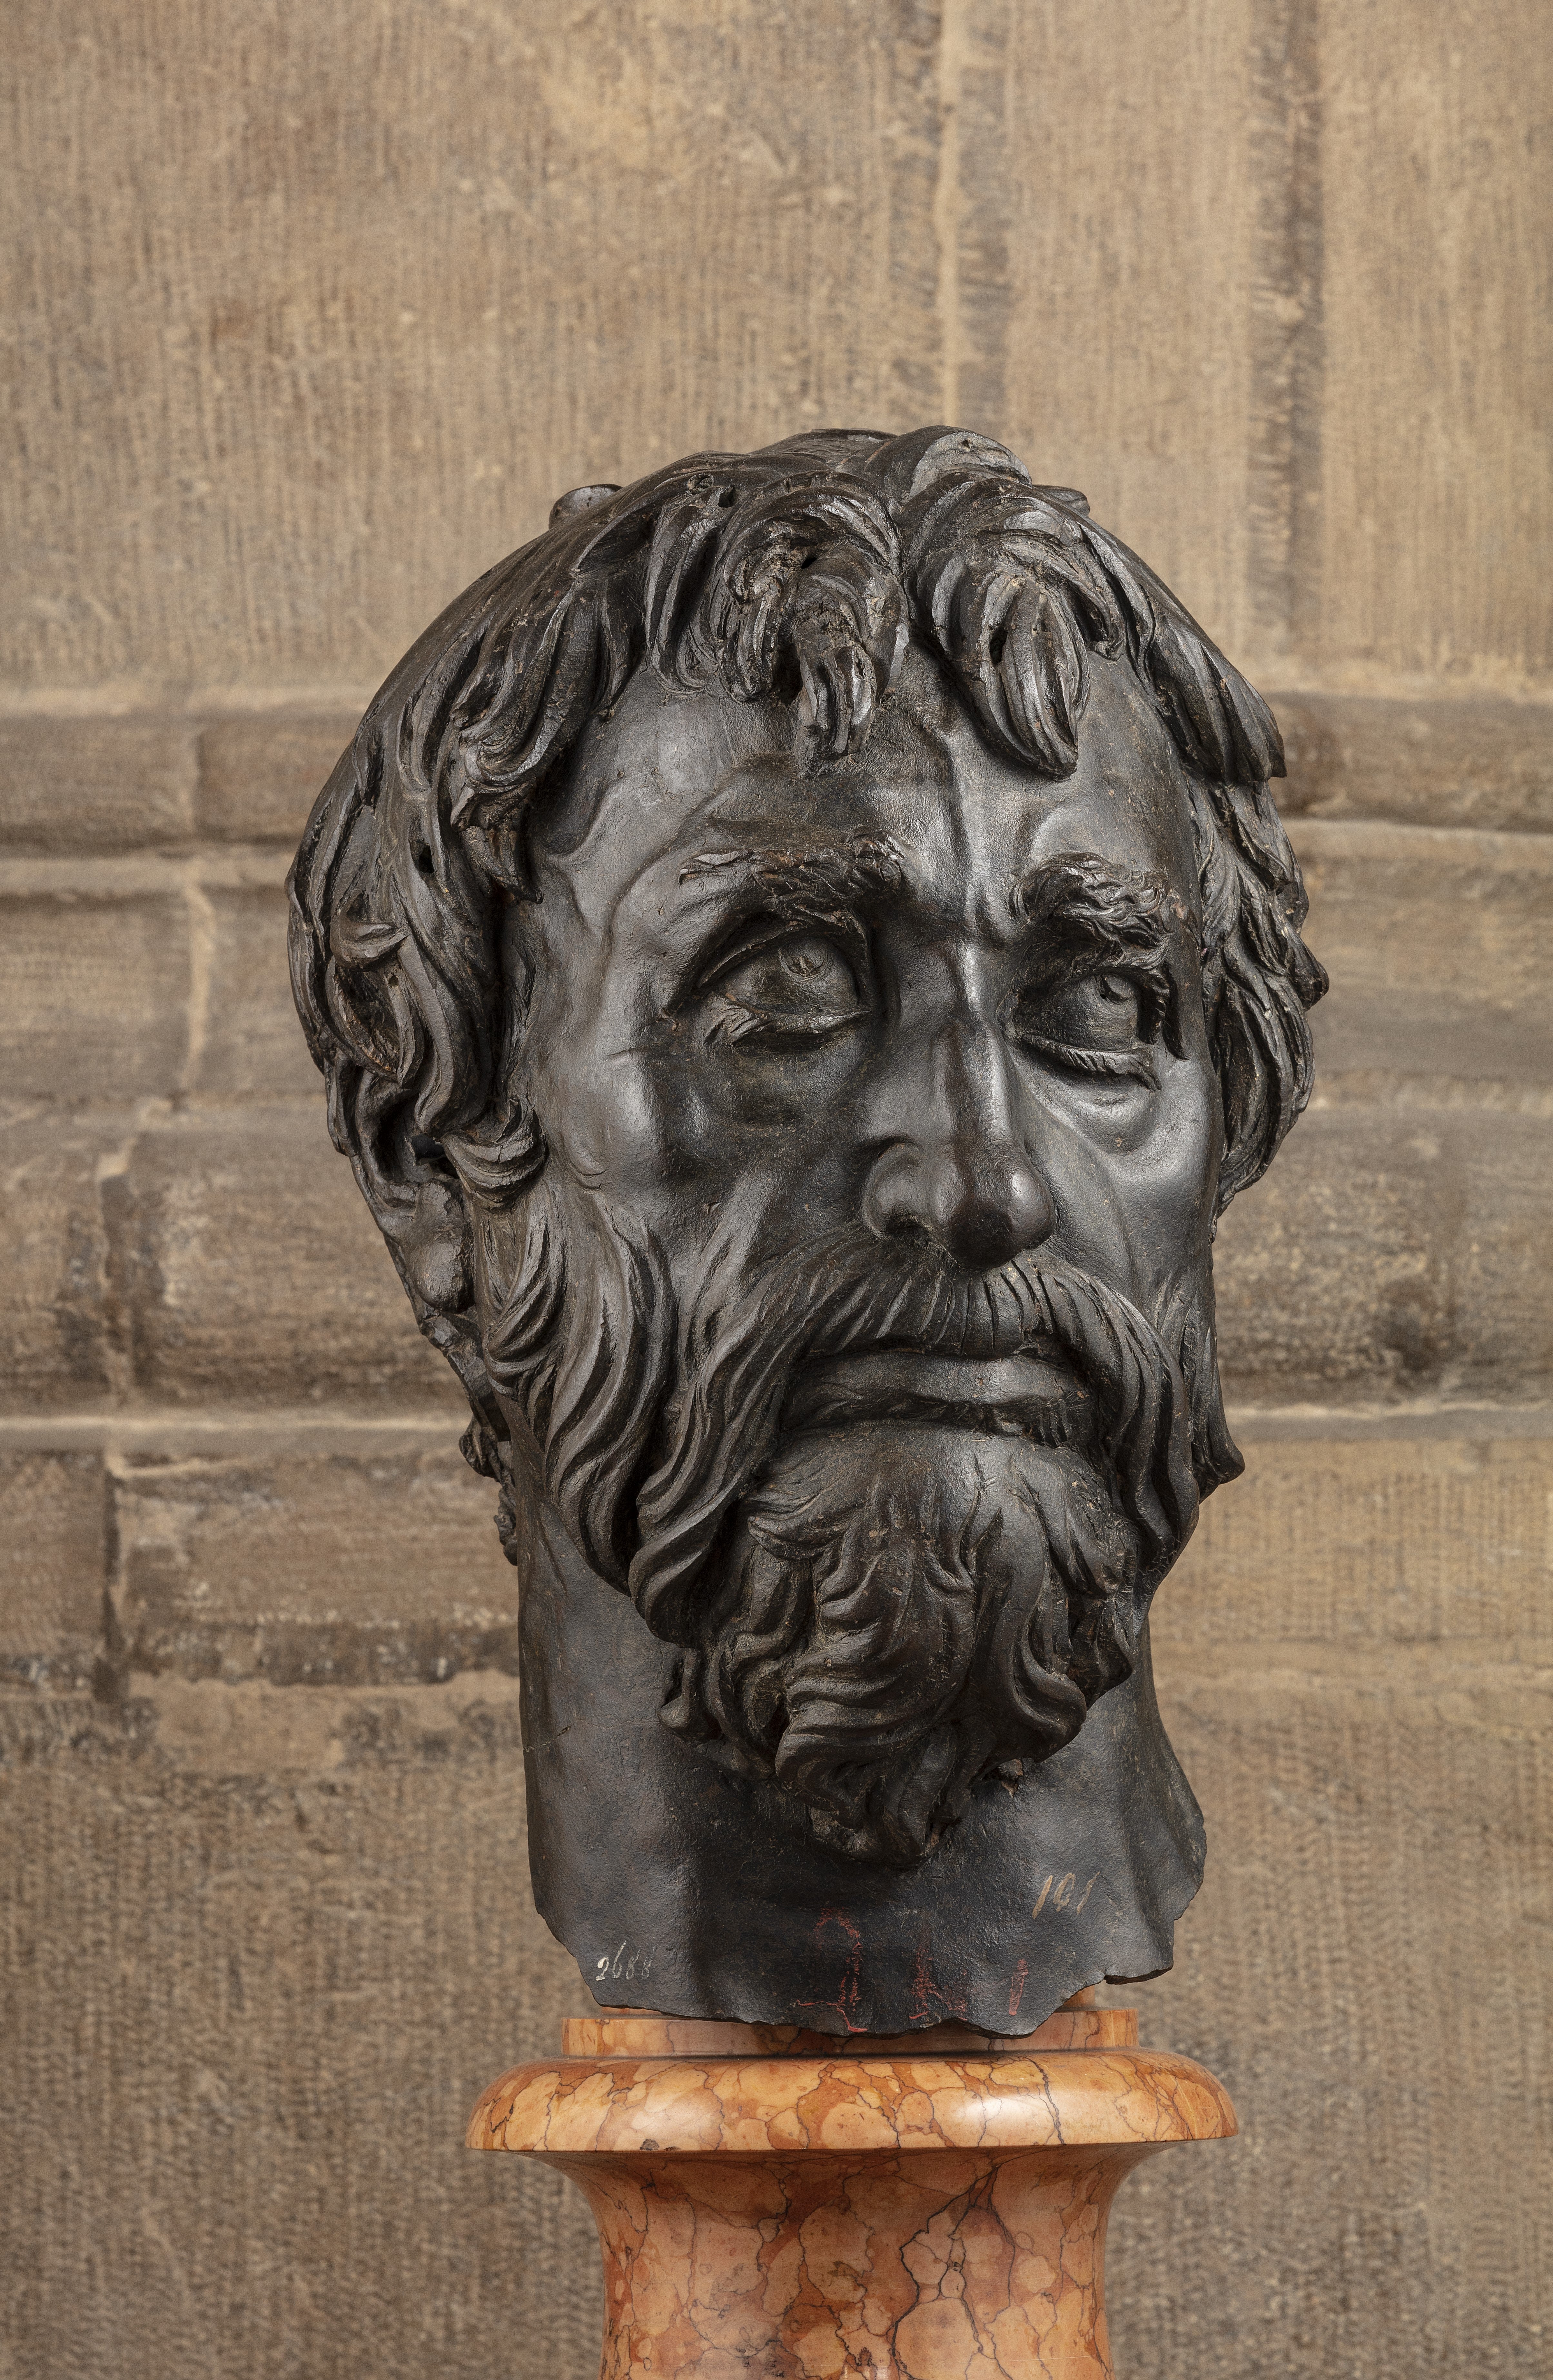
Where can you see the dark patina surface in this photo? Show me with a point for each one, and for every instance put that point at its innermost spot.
(801, 955)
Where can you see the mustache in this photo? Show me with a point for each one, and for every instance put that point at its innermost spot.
(650, 1425)
(850, 1293)
(876, 1624)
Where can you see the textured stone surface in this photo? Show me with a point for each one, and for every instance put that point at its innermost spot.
(1395, 1250)
(1436, 489)
(249, 1272)
(53, 1546)
(250, 1047)
(93, 984)
(1160, 227)
(321, 1899)
(1392, 1253)
(57, 1308)
(406, 278)
(250, 1958)
(1347, 1853)
(812, 2106)
(321, 1571)
(1368, 1965)
(70, 784)
(909, 2213)
(260, 774)
(1382, 897)
(126, 781)
(227, 1559)
(1385, 1542)
(403, 282)
(1463, 763)
(1384, 903)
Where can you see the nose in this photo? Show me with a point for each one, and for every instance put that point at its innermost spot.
(963, 1176)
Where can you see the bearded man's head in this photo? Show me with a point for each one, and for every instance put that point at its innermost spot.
(801, 955)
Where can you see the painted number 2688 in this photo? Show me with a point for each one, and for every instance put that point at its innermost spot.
(621, 1968)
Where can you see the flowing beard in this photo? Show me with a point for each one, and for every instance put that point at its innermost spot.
(897, 1625)
(867, 1614)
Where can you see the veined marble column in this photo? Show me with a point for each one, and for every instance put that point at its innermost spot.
(782, 2206)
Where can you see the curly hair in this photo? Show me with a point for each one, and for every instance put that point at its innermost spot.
(799, 573)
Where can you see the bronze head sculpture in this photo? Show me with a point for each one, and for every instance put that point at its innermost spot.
(801, 955)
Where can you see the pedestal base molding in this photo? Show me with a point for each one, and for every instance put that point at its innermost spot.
(924, 2207)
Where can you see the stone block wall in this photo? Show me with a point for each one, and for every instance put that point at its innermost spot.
(314, 310)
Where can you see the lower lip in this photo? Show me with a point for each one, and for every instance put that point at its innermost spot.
(1012, 1391)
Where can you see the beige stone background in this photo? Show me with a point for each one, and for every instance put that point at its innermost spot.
(313, 307)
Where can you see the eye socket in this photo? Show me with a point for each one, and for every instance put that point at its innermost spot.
(794, 991)
(1099, 1011)
(1099, 1024)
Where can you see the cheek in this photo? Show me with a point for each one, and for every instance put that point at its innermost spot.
(1134, 1188)
(761, 1149)
(739, 1146)
(607, 1118)
(598, 1076)
(1178, 1167)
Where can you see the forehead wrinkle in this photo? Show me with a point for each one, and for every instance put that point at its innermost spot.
(644, 784)
(976, 908)
(659, 770)
(597, 892)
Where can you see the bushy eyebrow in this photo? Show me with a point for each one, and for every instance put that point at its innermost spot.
(1085, 913)
(1080, 898)
(814, 885)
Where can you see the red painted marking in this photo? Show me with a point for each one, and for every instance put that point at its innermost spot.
(924, 1987)
(846, 2000)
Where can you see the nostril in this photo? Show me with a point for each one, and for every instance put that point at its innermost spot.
(983, 1237)
(980, 1213)
(903, 1225)
(986, 1217)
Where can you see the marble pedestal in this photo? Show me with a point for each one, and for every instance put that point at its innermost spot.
(782, 2206)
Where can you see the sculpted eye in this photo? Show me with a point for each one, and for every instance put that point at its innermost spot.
(1104, 1011)
(797, 972)
(1092, 1025)
(799, 989)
